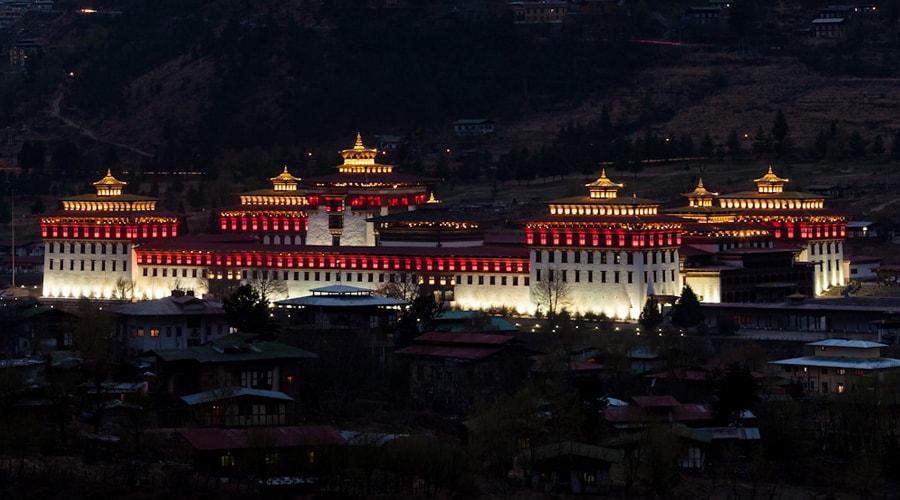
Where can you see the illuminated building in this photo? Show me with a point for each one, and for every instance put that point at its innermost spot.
(610, 252)
(369, 226)
(762, 245)
(89, 243)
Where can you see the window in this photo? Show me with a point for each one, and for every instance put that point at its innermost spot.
(577, 256)
(227, 460)
(503, 280)
(603, 257)
(840, 388)
(590, 257)
(602, 276)
(481, 280)
(551, 256)
(140, 332)
(615, 276)
(493, 280)
(630, 258)
(577, 276)
(537, 255)
(154, 332)
(564, 255)
(590, 276)
(630, 277)
(617, 258)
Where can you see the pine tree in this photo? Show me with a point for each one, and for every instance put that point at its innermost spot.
(687, 312)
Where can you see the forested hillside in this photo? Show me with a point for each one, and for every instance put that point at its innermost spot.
(244, 87)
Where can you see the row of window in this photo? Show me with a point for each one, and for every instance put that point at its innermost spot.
(552, 256)
(823, 248)
(89, 265)
(577, 275)
(83, 248)
(153, 332)
(824, 370)
(333, 276)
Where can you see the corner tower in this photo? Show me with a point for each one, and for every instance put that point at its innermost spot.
(88, 242)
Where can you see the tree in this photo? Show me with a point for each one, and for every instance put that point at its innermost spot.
(551, 291)
(418, 316)
(31, 156)
(780, 133)
(687, 312)
(247, 311)
(268, 286)
(651, 316)
(738, 391)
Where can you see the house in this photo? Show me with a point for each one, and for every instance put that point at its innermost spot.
(27, 326)
(704, 14)
(239, 407)
(838, 366)
(649, 410)
(541, 12)
(579, 468)
(473, 127)
(297, 453)
(453, 371)
(179, 320)
(186, 377)
(341, 307)
(862, 267)
(832, 27)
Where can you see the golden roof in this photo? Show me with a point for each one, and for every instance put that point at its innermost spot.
(109, 185)
(604, 182)
(700, 192)
(603, 188)
(770, 177)
(359, 151)
(284, 176)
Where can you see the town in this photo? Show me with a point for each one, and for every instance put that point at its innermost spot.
(349, 334)
(431, 249)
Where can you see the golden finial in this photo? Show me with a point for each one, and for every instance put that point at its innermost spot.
(359, 144)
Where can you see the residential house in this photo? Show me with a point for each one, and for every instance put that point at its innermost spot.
(838, 366)
(541, 12)
(862, 267)
(173, 322)
(453, 371)
(578, 468)
(27, 327)
(340, 307)
(299, 454)
(473, 127)
(213, 377)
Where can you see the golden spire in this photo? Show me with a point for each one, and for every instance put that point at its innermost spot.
(700, 196)
(770, 183)
(284, 181)
(603, 187)
(109, 185)
(359, 144)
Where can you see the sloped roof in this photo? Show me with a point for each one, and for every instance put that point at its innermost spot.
(578, 449)
(233, 348)
(211, 439)
(232, 392)
(169, 306)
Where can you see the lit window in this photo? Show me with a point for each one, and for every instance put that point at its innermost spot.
(154, 332)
